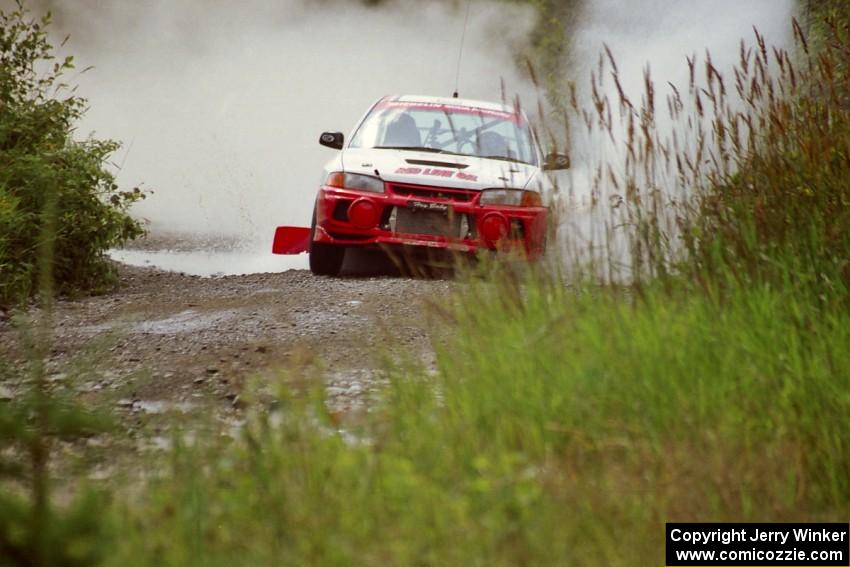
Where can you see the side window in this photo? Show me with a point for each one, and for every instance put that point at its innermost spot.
(373, 131)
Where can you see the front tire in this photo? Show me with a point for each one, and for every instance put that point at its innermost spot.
(325, 259)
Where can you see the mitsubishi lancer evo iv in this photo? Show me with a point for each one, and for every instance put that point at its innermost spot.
(428, 172)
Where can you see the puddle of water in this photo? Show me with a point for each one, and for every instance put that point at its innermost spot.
(156, 407)
(352, 389)
(184, 321)
(159, 407)
(210, 263)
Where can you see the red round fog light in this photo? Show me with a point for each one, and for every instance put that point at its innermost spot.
(493, 227)
(364, 213)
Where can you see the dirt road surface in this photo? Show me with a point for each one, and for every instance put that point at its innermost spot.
(165, 342)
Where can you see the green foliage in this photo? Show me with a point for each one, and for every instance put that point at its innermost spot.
(38, 155)
(822, 15)
(34, 529)
(53, 224)
(73, 538)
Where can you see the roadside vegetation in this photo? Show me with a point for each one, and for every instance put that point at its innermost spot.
(59, 211)
(702, 377)
(44, 171)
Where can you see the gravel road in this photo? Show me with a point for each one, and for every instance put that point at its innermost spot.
(167, 341)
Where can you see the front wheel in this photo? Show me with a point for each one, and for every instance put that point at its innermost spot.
(325, 259)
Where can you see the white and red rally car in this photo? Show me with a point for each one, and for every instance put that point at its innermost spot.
(428, 172)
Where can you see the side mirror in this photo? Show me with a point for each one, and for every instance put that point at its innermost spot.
(555, 162)
(332, 140)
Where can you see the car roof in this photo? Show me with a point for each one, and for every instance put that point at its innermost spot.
(469, 103)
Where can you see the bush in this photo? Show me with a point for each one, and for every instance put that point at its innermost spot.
(41, 165)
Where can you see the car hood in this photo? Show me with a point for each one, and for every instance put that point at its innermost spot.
(441, 170)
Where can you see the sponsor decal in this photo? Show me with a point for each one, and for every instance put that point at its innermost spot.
(453, 108)
(424, 206)
(438, 172)
(433, 172)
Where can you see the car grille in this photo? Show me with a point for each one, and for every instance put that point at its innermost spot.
(415, 191)
(432, 223)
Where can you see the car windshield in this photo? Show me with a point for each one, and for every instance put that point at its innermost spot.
(447, 128)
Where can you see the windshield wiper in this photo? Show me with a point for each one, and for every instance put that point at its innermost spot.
(506, 158)
(440, 151)
(416, 149)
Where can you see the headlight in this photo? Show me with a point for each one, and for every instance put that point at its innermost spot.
(355, 181)
(510, 197)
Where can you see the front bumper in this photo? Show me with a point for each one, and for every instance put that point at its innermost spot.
(468, 226)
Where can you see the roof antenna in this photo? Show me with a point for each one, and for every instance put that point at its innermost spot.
(460, 53)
